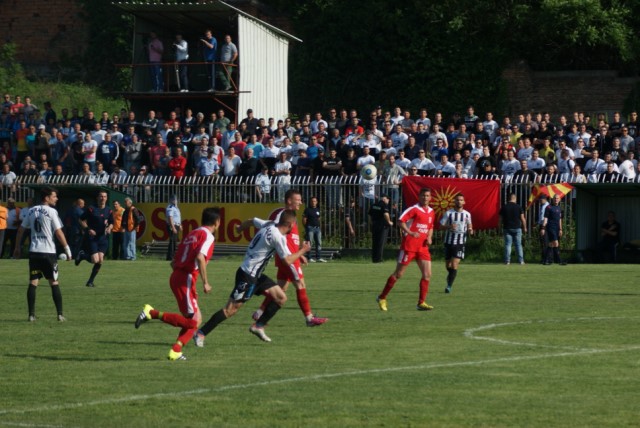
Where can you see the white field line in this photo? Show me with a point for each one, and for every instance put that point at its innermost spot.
(471, 333)
(176, 394)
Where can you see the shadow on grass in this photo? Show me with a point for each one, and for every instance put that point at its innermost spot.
(88, 358)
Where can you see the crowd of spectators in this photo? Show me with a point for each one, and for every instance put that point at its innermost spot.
(108, 148)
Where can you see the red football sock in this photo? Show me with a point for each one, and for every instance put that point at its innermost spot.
(154, 314)
(178, 320)
(177, 347)
(424, 289)
(391, 281)
(184, 337)
(303, 301)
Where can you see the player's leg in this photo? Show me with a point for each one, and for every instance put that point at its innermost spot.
(424, 265)
(50, 272)
(97, 259)
(34, 277)
(452, 268)
(403, 261)
(279, 299)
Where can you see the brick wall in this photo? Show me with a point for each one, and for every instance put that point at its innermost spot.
(43, 30)
(563, 92)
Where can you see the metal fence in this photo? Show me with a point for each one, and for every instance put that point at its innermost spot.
(343, 201)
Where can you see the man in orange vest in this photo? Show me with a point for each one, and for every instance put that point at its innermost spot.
(4, 212)
(130, 223)
(117, 252)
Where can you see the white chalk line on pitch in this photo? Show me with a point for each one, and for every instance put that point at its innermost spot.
(471, 333)
(133, 398)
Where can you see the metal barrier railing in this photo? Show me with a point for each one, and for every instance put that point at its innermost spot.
(344, 207)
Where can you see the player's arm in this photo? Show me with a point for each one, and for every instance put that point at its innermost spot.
(472, 230)
(63, 241)
(291, 258)
(256, 222)
(405, 229)
(201, 261)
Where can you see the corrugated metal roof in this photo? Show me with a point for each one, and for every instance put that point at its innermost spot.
(185, 15)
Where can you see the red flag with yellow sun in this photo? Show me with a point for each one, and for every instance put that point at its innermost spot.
(550, 190)
(482, 197)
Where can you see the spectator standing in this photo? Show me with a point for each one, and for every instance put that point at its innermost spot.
(131, 220)
(182, 56)
(210, 48)
(4, 215)
(513, 225)
(228, 56)
(117, 251)
(610, 233)
(155, 51)
(380, 213)
(313, 233)
(13, 223)
(174, 225)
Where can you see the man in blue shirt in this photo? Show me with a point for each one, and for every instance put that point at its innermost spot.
(210, 49)
(97, 222)
(552, 227)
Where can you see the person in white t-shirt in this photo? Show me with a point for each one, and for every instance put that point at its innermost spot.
(44, 224)
(89, 149)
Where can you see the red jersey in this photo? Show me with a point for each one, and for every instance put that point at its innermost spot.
(199, 241)
(420, 220)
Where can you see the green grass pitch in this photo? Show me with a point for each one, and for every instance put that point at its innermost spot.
(529, 345)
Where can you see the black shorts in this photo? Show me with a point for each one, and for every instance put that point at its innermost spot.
(553, 234)
(453, 251)
(246, 286)
(98, 244)
(41, 264)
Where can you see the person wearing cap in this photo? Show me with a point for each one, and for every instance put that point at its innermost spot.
(208, 166)
(174, 225)
(251, 122)
(380, 213)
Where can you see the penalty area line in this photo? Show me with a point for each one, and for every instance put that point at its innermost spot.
(144, 397)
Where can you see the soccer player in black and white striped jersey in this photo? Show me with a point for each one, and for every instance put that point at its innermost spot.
(457, 223)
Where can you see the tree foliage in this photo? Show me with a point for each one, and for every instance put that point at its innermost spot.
(445, 54)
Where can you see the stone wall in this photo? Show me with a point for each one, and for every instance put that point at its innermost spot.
(43, 30)
(563, 92)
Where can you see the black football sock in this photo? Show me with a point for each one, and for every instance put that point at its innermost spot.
(452, 276)
(31, 299)
(556, 254)
(213, 322)
(94, 272)
(271, 309)
(548, 255)
(57, 298)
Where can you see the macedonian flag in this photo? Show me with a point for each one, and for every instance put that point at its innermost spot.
(482, 197)
(549, 190)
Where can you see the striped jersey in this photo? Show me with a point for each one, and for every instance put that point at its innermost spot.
(43, 221)
(462, 220)
(267, 242)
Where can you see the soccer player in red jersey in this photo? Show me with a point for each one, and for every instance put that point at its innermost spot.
(417, 223)
(292, 273)
(189, 261)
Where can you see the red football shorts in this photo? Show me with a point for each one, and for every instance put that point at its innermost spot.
(288, 273)
(405, 257)
(183, 285)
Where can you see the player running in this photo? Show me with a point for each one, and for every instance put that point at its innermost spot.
(292, 273)
(457, 222)
(97, 222)
(44, 223)
(251, 280)
(189, 261)
(417, 224)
